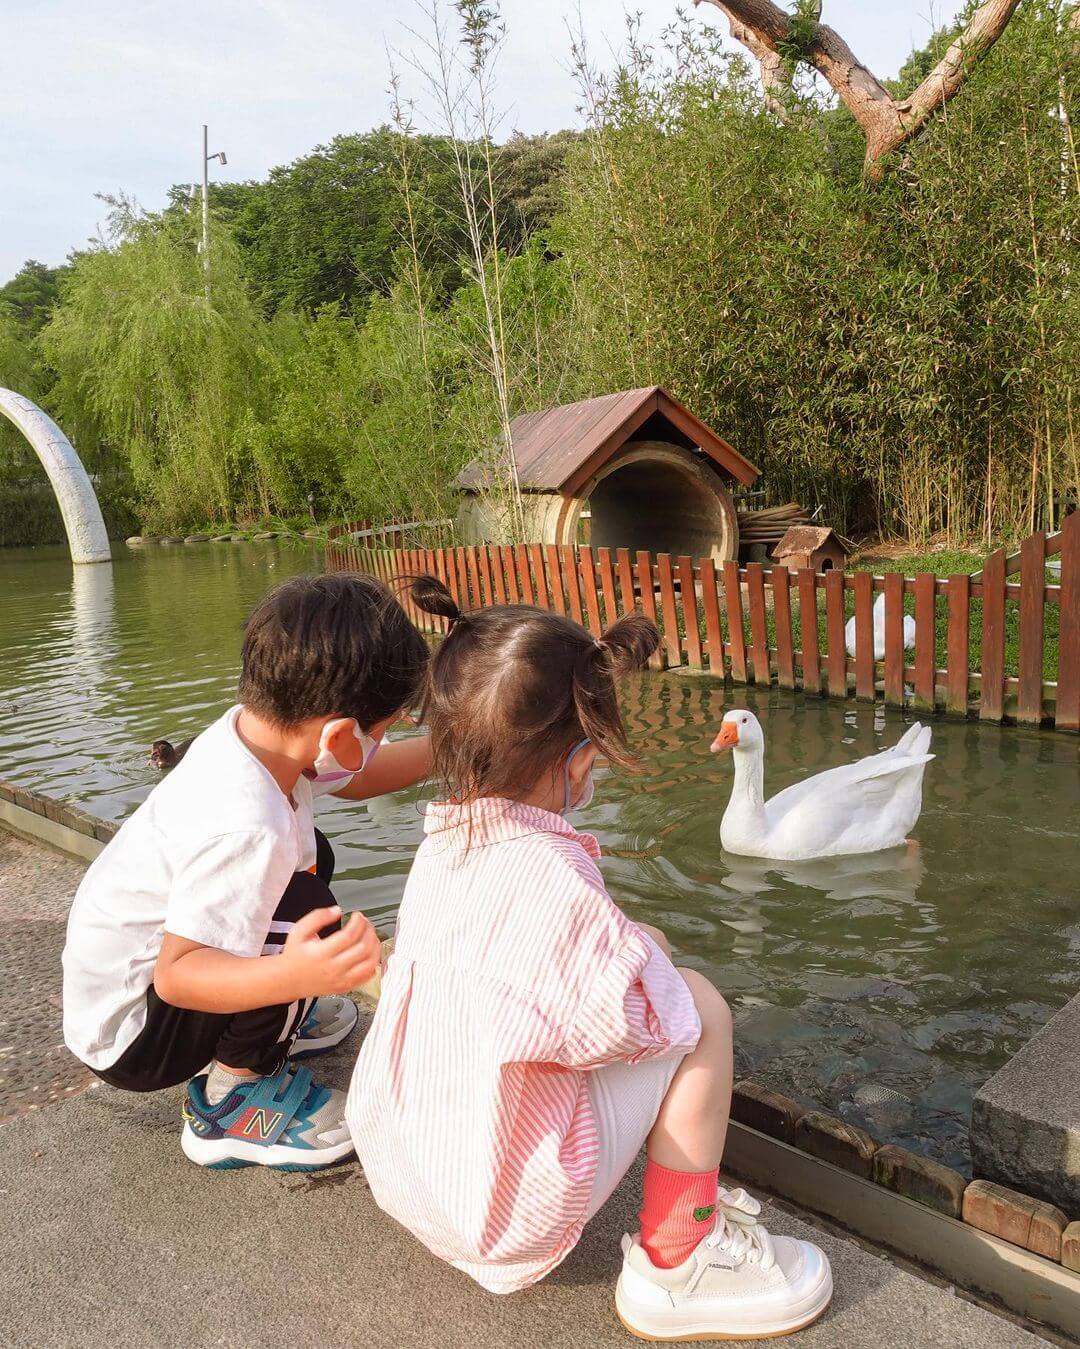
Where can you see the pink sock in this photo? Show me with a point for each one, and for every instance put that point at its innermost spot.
(677, 1210)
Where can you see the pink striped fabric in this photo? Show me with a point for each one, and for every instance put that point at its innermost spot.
(513, 974)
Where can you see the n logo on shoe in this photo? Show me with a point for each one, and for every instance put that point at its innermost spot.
(257, 1122)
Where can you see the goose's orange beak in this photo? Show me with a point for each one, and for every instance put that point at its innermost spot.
(727, 739)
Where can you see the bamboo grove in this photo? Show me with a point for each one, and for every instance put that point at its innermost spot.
(903, 353)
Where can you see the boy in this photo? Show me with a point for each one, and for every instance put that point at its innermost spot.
(194, 938)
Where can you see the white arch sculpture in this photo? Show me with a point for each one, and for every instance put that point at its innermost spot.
(75, 494)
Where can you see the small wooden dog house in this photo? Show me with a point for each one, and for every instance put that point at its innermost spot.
(810, 546)
(651, 475)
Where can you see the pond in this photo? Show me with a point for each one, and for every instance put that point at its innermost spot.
(918, 971)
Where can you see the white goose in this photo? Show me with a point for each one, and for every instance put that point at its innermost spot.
(858, 808)
(879, 631)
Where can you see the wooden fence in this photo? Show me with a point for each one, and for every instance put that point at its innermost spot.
(984, 644)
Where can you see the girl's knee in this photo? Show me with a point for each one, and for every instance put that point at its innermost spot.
(711, 1005)
(658, 937)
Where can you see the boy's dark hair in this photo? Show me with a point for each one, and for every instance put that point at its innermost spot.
(512, 689)
(336, 645)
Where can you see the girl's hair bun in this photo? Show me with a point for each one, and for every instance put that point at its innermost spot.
(429, 594)
(630, 642)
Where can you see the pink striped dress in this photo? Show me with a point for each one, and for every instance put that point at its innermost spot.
(513, 975)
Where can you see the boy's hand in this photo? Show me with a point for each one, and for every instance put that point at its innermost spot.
(335, 964)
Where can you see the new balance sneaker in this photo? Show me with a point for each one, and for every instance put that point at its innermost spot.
(330, 1020)
(284, 1121)
(738, 1283)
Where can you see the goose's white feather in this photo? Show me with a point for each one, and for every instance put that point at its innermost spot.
(859, 807)
(879, 631)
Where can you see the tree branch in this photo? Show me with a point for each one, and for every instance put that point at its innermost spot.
(764, 28)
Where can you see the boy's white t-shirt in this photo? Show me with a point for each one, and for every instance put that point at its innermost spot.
(207, 856)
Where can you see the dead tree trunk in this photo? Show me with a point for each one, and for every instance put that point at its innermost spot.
(887, 123)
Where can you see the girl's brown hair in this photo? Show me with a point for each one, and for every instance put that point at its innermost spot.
(512, 689)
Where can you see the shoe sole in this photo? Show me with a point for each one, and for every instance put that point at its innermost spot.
(230, 1154)
(313, 1047)
(774, 1332)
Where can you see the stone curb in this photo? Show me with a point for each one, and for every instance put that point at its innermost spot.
(43, 817)
(1028, 1223)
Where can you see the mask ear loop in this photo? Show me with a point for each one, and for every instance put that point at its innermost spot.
(566, 773)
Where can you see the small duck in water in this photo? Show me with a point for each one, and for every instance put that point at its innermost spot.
(165, 756)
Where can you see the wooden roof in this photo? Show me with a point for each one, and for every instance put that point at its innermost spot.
(561, 448)
(806, 539)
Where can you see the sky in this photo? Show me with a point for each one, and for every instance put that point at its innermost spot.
(111, 95)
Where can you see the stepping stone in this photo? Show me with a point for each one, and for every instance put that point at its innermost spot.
(195, 538)
(135, 541)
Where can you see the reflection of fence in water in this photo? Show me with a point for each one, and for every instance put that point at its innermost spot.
(754, 625)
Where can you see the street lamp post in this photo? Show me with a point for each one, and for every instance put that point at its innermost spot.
(206, 158)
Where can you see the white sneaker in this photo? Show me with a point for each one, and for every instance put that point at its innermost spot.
(739, 1283)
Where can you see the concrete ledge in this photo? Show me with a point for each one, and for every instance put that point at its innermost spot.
(1026, 1283)
(1025, 1122)
(57, 833)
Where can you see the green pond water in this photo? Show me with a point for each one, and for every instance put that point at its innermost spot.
(920, 970)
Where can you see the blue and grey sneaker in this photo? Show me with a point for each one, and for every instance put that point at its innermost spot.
(284, 1121)
(330, 1020)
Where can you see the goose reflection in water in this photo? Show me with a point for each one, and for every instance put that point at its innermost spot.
(863, 884)
(893, 875)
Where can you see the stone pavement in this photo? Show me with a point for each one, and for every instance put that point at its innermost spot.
(36, 886)
(110, 1237)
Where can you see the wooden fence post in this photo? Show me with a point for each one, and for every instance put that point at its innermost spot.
(536, 553)
(486, 590)
(1067, 711)
(714, 641)
(644, 569)
(570, 576)
(736, 631)
(785, 645)
(554, 567)
(509, 570)
(588, 582)
(834, 618)
(688, 595)
(894, 639)
(759, 632)
(626, 580)
(1032, 601)
(497, 580)
(607, 585)
(669, 628)
(958, 642)
(808, 623)
(864, 635)
(992, 656)
(925, 641)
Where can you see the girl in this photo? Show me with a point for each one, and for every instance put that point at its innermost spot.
(530, 1037)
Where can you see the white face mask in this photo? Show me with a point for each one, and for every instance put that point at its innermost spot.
(327, 766)
(587, 790)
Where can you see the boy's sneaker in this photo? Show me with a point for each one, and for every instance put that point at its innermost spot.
(738, 1283)
(330, 1020)
(284, 1121)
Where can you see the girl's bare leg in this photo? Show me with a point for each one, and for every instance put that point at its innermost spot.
(691, 1127)
(658, 937)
